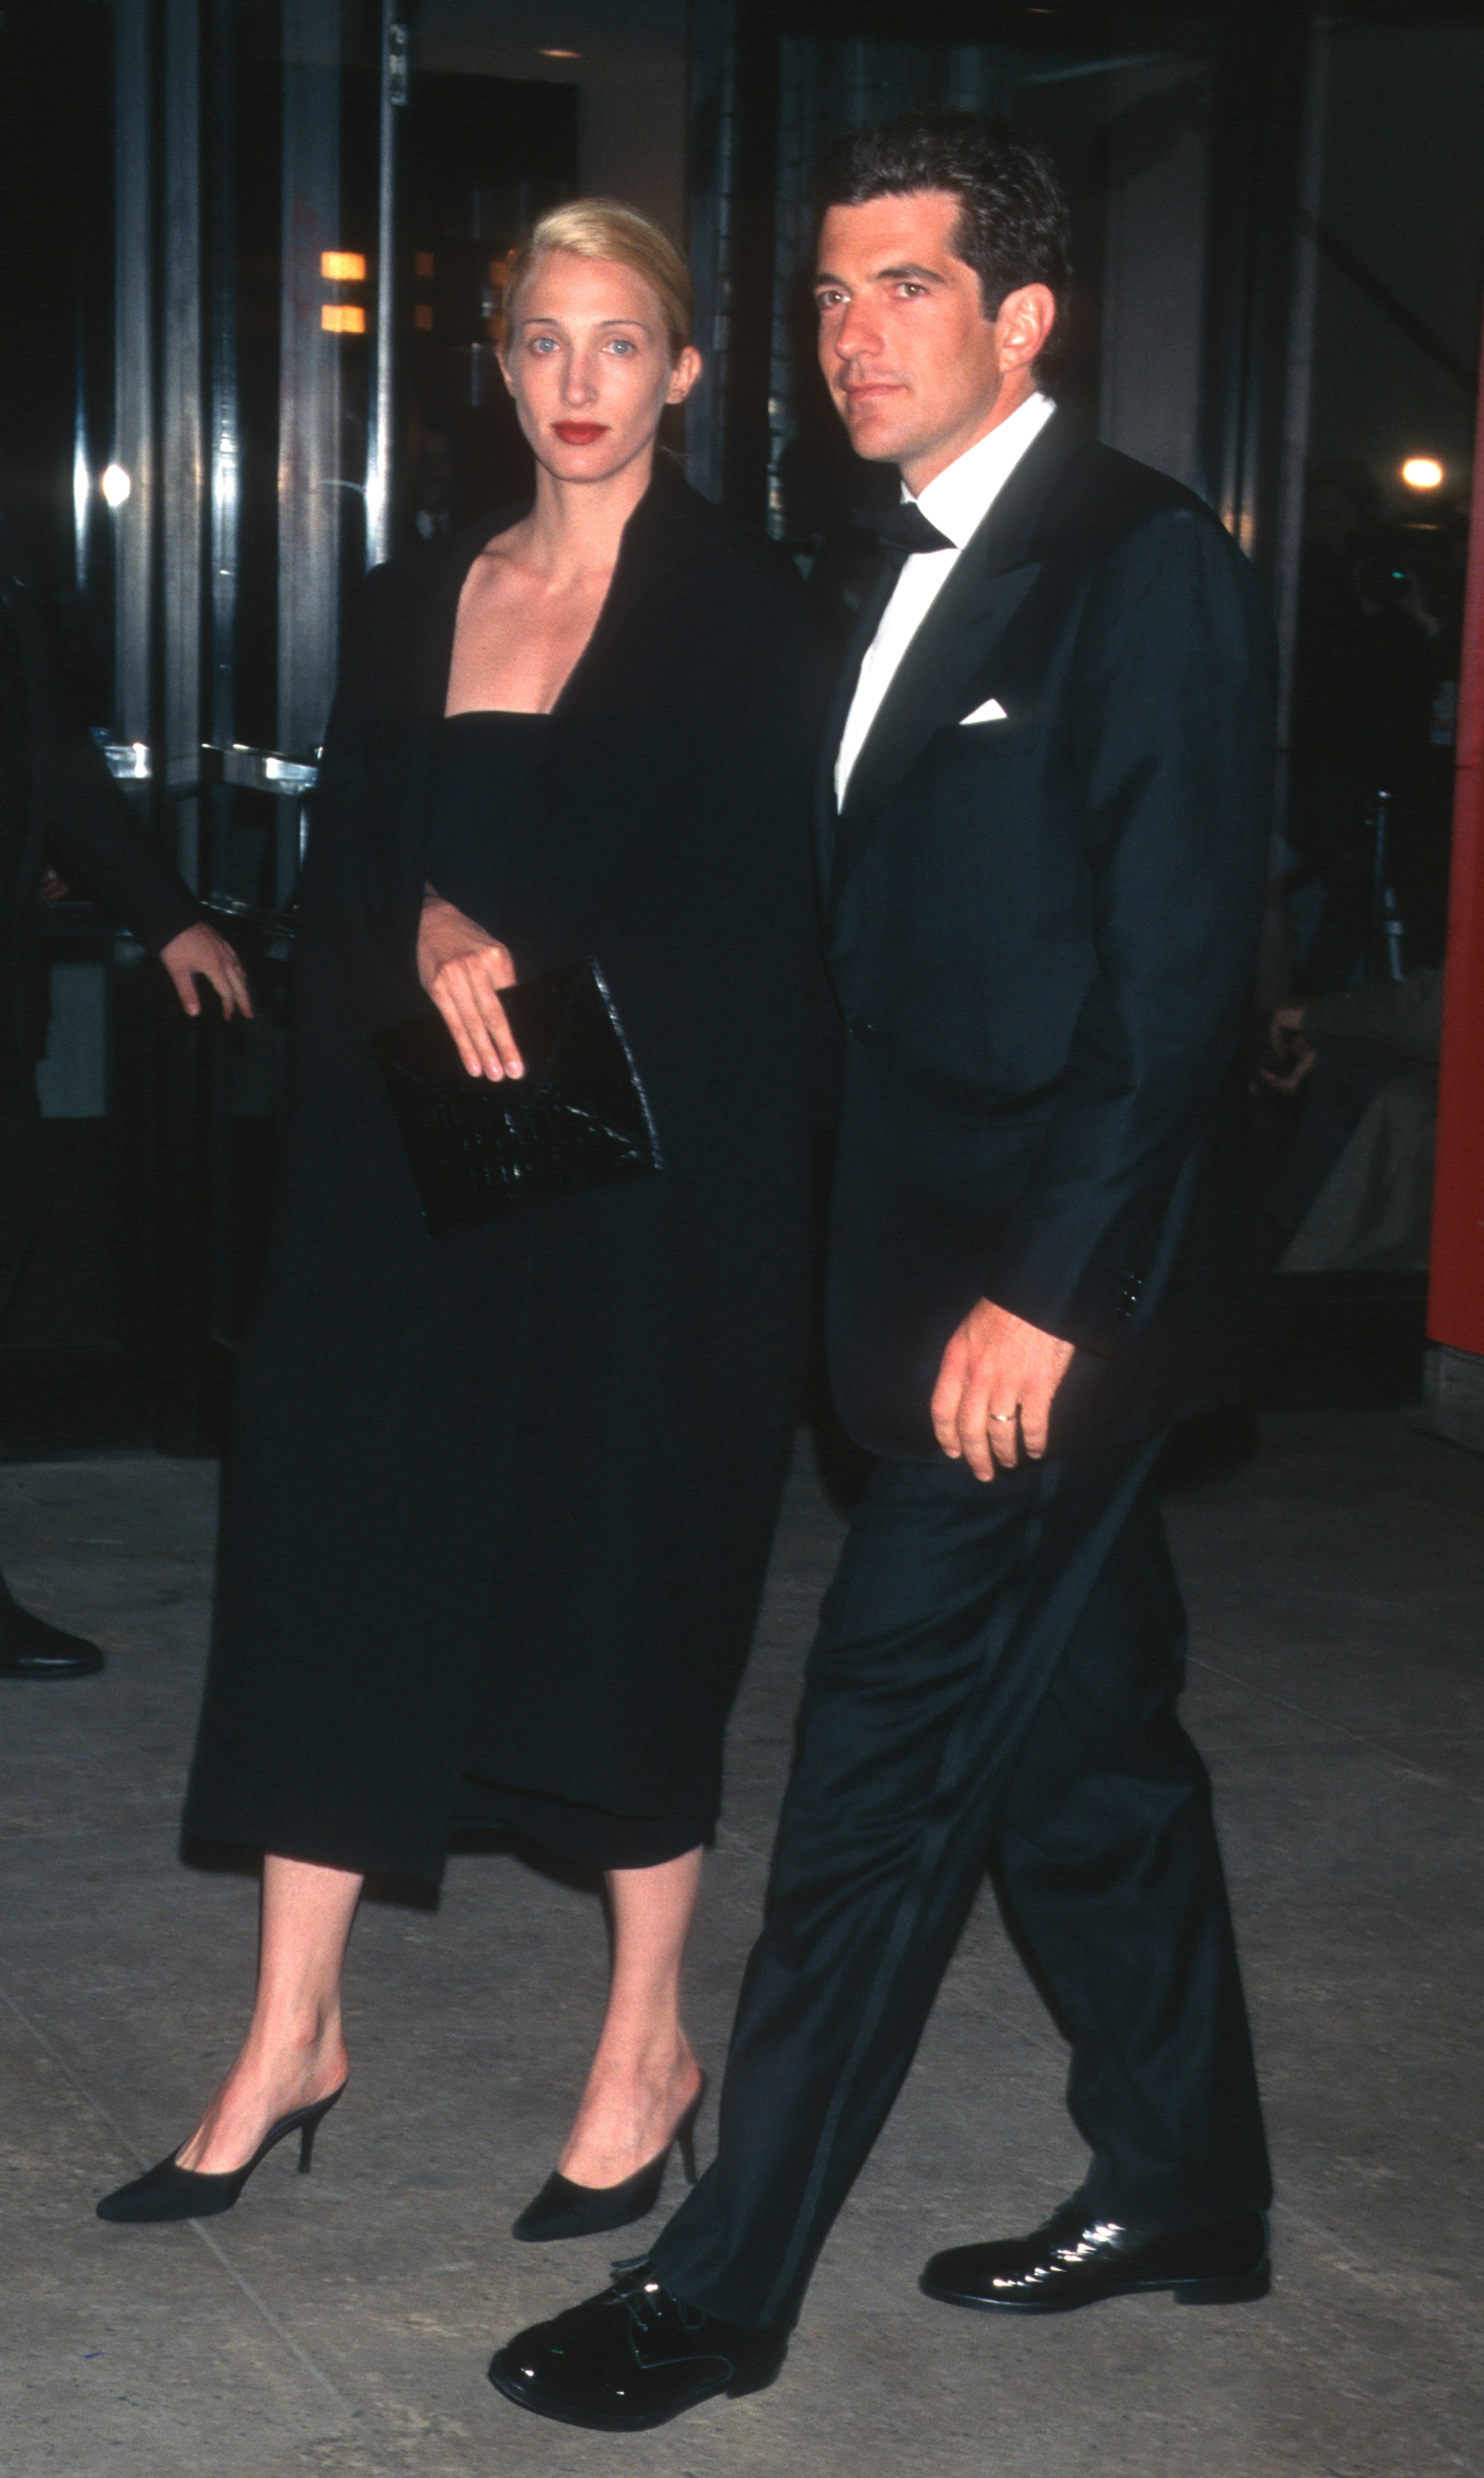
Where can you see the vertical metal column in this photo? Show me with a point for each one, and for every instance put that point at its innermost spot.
(132, 384)
(378, 429)
(1299, 389)
(734, 107)
(225, 425)
(175, 1352)
(1256, 165)
(309, 420)
(1456, 1297)
(183, 475)
(712, 112)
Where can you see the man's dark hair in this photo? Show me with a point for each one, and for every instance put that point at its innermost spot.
(1014, 226)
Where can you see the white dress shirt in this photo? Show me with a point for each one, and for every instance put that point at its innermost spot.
(956, 502)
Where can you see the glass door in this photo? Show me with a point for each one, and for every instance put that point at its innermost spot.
(200, 460)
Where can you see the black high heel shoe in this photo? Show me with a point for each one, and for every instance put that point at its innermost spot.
(562, 2210)
(165, 2193)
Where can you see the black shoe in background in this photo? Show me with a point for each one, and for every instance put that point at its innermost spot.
(1074, 2261)
(30, 1648)
(632, 2357)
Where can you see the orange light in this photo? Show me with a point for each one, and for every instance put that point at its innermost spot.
(342, 318)
(1421, 474)
(423, 316)
(555, 51)
(342, 267)
(422, 265)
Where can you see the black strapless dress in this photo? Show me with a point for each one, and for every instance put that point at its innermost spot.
(486, 775)
(485, 772)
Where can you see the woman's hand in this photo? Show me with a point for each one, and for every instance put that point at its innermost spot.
(464, 970)
(201, 952)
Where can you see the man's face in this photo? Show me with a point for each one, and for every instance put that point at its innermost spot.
(916, 370)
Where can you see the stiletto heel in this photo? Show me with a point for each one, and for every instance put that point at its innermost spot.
(565, 2210)
(166, 2192)
(685, 2135)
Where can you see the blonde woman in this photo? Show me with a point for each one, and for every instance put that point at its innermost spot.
(498, 1504)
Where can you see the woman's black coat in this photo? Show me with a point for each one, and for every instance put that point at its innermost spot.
(499, 1503)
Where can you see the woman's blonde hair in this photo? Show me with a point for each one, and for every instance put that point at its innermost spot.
(603, 228)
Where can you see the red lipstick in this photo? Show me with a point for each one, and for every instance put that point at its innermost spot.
(579, 434)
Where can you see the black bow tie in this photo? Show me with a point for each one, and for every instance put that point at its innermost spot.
(905, 529)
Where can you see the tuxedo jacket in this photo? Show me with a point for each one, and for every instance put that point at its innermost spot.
(1042, 925)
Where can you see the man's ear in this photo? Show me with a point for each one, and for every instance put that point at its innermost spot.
(1023, 327)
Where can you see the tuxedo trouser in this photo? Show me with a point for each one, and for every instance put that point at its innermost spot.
(994, 1683)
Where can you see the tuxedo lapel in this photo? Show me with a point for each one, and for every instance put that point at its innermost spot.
(991, 578)
(826, 808)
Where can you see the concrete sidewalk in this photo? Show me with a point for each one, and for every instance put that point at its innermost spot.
(340, 2325)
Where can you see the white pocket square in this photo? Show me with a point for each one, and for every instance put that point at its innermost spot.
(992, 711)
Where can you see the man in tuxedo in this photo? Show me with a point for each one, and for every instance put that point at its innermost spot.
(1043, 841)
(58, 798)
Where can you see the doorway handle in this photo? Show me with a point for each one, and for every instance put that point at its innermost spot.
(251, 770)
(129, 761)
(259, 769)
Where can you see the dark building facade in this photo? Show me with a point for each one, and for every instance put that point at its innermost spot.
(249, 311)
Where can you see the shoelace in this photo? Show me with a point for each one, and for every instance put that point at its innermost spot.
(644, 2299)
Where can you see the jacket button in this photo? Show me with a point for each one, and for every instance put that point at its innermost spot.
(862, 1027)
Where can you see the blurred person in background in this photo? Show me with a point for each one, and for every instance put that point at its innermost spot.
(1375, 640)
(1354, 1187)
(60, 804)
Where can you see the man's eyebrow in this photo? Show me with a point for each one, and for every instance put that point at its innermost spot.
(907, 274)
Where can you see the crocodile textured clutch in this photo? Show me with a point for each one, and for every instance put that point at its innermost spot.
(578, 1118)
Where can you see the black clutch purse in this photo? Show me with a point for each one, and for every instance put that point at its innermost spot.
(578, 1118)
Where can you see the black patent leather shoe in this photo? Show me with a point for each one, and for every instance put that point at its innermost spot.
(634, 2357)
(30, 1648)
(1075, 2261)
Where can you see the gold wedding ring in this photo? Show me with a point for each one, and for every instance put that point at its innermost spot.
(1003, 1415)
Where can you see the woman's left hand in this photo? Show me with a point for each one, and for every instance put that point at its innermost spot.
(464, 970)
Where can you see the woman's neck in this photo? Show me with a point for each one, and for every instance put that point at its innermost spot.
(575, 528)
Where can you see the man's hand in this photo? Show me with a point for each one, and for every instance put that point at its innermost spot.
(995, 1389)
(1290, 1043)
(464, 968)
(200, 950)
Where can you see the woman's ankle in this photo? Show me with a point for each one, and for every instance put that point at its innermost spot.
(293, 2044)
(633, 2098)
